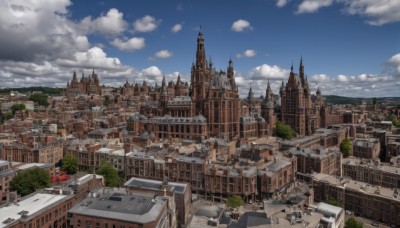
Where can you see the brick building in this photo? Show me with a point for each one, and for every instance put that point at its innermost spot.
(372, 172)
(6, 175)
(366, 148)
(363, 199)
(44, 208)
(328, 161)
(117, 208)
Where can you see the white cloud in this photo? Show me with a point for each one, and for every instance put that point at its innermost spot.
(176, 28)
(377, 12)
(241, 25)
(266, 71)
(250, 53)
(281, 3)
(311, 6)
(135, 43)
(93, 58)
(110, 24)
(146, 24)
(164, 54)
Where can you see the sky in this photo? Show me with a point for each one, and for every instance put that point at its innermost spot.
(348, 47)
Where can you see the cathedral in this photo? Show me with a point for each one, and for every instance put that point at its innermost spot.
(299, 109)
(85, 86)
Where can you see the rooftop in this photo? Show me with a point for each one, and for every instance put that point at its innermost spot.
(154, 184)
(119, 205)
(30, 205)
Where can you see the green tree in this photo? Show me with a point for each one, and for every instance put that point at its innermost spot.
(107, 100)
(332, 201)
(110, 175)
(353, 223)
(70, 163)
(234, 201)
(29, 180)
(284, 131)
(40, 98)
(345, 147)
(394, 120)
(374, 100)
(17, 107)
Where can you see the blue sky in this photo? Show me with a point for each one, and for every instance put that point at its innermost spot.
(349, 47)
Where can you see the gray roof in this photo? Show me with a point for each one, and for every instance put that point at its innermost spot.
(154, 184)
(117, 204)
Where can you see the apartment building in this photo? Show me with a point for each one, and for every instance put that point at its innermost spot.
(328, 161)
(363, 199)
(44, 208)
(372, 172)
(366, 148)
(180, 192)
(6, 175)
(117, 208)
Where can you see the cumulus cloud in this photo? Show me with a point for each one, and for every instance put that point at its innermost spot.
(281, 3)
(266, 71)
(146, 24)
(176, 28)
(248, 53)
(132, 44)
(241, 26)
(93, 58)
(111, 23)
(311, 6)
(376, 12)
(164, 54)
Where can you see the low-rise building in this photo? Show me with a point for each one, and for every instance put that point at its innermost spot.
(118, 208)
(366, 148)
(44, 208)
(328, 161)
(363, 199)
(372, 172)
(6, 175)
(180, 192)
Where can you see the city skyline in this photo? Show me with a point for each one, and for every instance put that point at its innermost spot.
(349, 48)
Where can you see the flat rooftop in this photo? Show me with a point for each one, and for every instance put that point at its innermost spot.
(32, 205)
(116, 204)
(154, 184)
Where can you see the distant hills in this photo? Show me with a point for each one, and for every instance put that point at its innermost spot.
(47, 90)
(333, 99)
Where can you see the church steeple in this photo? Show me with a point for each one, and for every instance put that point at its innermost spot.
(268, 92)
(301, 70)
(201, 52)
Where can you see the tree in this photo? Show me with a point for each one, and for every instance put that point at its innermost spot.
(29, 180)
(394, 120)
(70, 163)
(345, 147)
(374, 100)
(40, 98)
(235, 201)
(17, 107)
(284, 131)
(353, 223)
(332, 201)
(110, 175)
(107, 100)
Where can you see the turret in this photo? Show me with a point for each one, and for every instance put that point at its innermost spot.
(201, 52)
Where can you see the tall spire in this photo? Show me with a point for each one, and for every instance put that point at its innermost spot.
(201, 52)
(268, 92)
(291, 68)
(301, 70)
